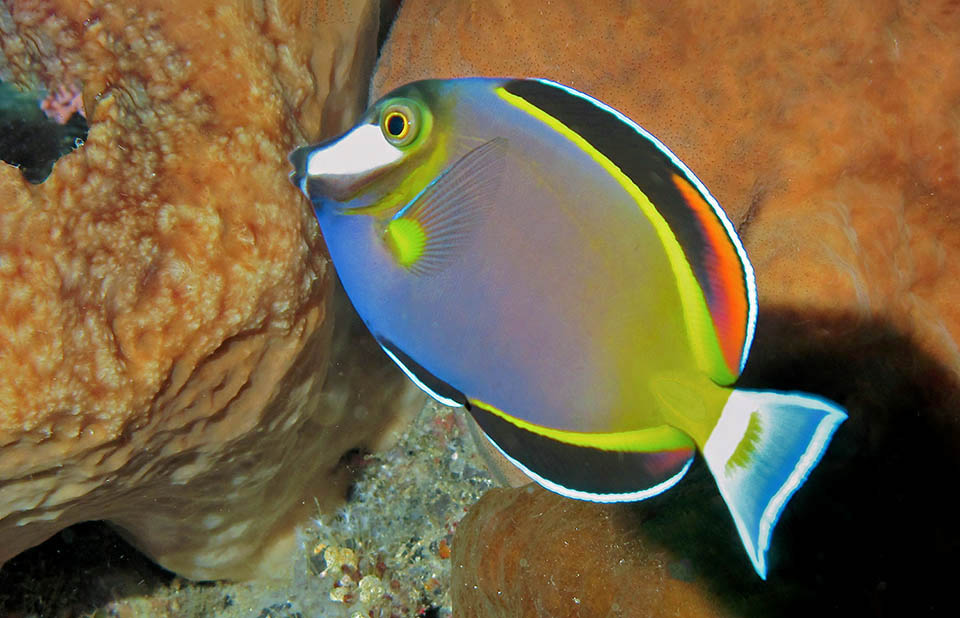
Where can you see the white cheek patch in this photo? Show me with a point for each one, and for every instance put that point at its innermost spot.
(362, 150)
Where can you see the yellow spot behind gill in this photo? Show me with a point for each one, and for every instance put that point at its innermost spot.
(406, 239)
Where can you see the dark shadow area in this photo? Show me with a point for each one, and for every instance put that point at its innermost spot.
(388, 14)
(874, 531)
(75, 573)
(29, 139)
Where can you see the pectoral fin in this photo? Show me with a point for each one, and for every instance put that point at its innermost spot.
(426, 234)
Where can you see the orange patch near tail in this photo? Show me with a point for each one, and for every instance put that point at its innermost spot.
(725, 292)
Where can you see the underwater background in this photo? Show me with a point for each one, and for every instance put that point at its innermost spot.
(177, 359)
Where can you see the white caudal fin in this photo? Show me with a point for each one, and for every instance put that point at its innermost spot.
(761, 451)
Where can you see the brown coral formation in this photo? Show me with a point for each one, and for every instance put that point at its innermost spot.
(829, 131)
(581, 559)
(166, 306)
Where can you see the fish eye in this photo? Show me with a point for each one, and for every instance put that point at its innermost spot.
(400, 124)
(396, 125)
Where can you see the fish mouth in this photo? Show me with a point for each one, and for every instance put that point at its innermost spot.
(299, 158)
(325, 188)
(340, 168)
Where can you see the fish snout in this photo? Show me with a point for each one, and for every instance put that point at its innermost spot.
(320, 185)
(340, 168)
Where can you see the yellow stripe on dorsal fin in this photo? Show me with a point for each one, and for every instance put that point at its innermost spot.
(696, 315)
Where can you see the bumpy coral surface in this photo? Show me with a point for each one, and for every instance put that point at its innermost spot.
(166, 313)
(581, 559)
(829, 131)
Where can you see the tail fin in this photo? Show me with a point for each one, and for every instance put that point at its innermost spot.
(761, 451)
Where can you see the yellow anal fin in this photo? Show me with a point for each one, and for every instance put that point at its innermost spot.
(597, 467)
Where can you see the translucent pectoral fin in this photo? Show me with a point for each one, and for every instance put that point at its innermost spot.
(426, 235)
(761, 450)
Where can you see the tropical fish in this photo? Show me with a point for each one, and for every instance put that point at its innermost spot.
(526, 251)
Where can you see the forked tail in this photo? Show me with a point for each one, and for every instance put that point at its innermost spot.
(761, 451)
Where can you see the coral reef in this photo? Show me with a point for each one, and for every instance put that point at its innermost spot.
(166, 307)
(830, 134)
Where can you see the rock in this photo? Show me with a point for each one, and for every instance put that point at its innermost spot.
(166, 304)
(579, 559)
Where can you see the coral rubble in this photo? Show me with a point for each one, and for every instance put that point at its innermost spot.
(166, 312)
(395, 532)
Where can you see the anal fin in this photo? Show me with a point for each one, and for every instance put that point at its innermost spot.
(579, 470)
(426, 381)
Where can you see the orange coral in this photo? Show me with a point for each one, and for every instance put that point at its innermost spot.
(165, 300)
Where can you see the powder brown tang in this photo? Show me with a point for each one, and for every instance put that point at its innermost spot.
(524, 250)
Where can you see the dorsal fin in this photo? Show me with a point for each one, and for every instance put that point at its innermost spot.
(706, 237)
